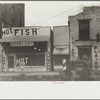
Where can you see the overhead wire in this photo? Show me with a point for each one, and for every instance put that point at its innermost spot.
(55, 15)
(44, 19)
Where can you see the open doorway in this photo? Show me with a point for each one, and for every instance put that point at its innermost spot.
(84, 53)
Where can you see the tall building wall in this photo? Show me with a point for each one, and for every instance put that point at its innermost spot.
(13, 15)
(89, 47)
(60, 46)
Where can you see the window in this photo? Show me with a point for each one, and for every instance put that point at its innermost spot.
(31, 59)
(3, 10)
(2, 24)
(20, 19)
(13, 11)
(84, 53)
(84, 31)
(59, 59)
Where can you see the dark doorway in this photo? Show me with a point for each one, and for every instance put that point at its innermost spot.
(84, 53)
(10, 61)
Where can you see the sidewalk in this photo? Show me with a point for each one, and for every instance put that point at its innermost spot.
(28, 73)
(30, 76)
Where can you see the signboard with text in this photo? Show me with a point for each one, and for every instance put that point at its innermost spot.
(29, 43)
(25, 31)
(19, 32)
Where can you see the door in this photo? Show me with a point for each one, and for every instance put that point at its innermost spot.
(85, 54)
(10, 61)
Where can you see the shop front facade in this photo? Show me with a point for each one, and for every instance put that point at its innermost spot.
(27, 49)
(60, 46)
(85, 36)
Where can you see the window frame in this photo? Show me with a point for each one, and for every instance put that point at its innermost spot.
(87, 35)
(13, 13)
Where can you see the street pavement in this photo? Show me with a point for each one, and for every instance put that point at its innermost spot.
(30, 76)
(36, 76)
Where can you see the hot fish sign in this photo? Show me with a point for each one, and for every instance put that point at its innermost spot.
(19, 32)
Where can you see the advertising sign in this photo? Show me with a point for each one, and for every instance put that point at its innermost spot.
(26, 31)
(19, 32)
(29, 43)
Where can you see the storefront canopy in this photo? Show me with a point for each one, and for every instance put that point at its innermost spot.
(61, 50)
(25, 38)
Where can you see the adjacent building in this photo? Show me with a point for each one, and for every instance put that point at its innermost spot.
(11, 15)
(84, 29)
(37, 48)
(27, 49)
(60, 46)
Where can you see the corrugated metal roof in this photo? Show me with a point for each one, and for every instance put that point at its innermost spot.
(25, 38)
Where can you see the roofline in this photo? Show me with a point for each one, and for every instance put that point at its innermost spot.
(27, 27)
(61, 26)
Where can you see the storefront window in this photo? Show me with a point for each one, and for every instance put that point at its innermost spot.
(31, 59)
(59, 58)
(37, 48)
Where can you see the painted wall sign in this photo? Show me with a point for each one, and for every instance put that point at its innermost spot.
(29, 43)
(21, 60)
(25, 31)
(48, 61)
(30, 60)
(95, 57)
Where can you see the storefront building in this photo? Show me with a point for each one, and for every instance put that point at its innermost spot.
(27, 48)
(84, 29)
(60, 46)
(12, 15)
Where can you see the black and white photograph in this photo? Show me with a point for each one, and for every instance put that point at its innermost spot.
(50, 41)
(49, 49)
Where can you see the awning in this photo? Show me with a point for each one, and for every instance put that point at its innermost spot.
(25, 38)
(61, 50)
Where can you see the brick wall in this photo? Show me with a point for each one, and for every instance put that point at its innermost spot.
(6, 18)
(13, 17)
(92, 13)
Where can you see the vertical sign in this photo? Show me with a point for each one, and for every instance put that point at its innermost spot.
(48, 61)
(95, 57)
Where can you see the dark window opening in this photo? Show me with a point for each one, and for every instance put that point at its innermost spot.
(84, 30)
(10, 61)
(20, 19)
(13, 14)
(84, 53)
(3, 11)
